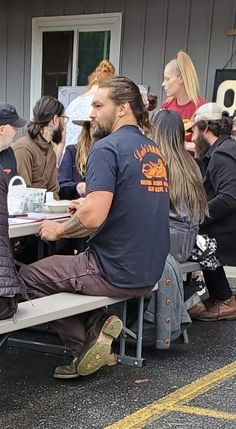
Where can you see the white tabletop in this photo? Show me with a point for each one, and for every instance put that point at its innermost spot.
(20, 227)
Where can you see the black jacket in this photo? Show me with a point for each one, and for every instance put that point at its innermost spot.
(68, 175)
(10, 281)
(8, 163)
(220, 185)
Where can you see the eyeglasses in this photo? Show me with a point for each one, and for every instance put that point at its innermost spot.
(65, 118)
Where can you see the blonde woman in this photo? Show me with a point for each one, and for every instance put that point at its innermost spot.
(182, 89)
(71, 173)
(71, 176)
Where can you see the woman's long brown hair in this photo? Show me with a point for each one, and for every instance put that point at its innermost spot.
(185, 180)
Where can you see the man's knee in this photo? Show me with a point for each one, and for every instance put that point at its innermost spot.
(8, 307)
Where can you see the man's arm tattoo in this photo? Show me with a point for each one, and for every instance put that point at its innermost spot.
(74, 228)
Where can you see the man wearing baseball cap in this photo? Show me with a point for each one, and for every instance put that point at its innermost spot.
(10, 121)
(217, 153)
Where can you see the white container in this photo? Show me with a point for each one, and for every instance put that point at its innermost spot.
(57, 206)
(35, 199)
(49, 197)
(16, 196)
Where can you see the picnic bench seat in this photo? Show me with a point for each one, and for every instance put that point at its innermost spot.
(64, 304)
(57, 306)
(190, 267)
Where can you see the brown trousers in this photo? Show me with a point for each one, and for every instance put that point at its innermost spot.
(77, 274)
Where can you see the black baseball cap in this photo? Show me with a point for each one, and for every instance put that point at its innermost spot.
(9, 116)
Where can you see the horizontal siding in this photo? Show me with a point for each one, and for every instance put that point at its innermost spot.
(15, 64)
(3, 50)
(152, 32)
(223, 17)
(154, 45)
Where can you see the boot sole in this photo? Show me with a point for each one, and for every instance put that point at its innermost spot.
(219, 319)
(98, 353)
(65, 376)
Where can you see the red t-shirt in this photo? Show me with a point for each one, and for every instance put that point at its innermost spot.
(186, 111)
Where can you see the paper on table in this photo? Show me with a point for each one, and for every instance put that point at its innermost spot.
(36, 217)
(42, 216)
(19, 221)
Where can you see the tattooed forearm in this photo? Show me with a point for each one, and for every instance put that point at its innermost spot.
(74, 228)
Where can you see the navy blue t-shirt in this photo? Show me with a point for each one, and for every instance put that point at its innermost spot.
(132, 244)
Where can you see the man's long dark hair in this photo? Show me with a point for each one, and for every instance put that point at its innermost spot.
(124, 90)
(44, 110)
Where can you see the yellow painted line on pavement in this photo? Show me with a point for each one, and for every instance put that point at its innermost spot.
(204, 412)
(140, 418)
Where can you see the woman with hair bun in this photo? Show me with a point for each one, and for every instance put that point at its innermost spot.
(181, 85)
(81, 105)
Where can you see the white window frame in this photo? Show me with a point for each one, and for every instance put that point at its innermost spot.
(91, 22)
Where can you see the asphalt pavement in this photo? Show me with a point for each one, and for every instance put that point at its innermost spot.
(32, 399)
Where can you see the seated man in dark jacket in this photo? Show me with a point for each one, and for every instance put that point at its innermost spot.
(10, 283)
(217, 152)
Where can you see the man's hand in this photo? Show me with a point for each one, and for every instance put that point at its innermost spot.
(81, 189)
(74, 205)
(51, 230)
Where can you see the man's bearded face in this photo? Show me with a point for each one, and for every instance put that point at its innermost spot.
(202, 146)
(57, 134)
(104, 127)
(201, 143)
(104, 114)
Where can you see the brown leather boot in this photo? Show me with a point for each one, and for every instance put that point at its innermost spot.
(196, 310)
(220, 310)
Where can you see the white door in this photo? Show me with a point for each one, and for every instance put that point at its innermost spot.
(66, 49)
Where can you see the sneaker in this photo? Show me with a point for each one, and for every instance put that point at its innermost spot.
(192, 287)
(97, 353)
(200, 287)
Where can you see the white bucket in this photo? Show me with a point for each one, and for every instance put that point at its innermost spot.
(16, 196)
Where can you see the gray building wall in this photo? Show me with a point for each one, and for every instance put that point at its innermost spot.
(152, 32)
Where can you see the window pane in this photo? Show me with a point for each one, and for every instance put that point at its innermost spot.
(57, 60)
(94, 46)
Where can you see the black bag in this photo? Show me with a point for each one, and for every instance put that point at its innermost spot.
(204, 252)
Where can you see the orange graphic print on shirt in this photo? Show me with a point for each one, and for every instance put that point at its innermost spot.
(7, 170)
(153, 168)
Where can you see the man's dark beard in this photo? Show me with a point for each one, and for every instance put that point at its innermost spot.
(99, 133)
(202, 147)
(57, 134)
